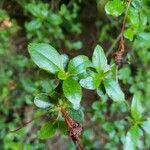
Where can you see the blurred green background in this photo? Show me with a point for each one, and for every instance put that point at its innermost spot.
(73, 27)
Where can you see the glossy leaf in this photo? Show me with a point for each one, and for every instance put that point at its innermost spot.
(42, 101)
(65, 59)
(72, 91)
(136, 108)
(78, 64)
(46, 57)
(47, 130)
(146, 125)
(113, 90)
(92, 82)
(99, 59)
(114, 7)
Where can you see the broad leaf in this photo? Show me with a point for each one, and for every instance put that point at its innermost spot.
(99, 59)
(92, 82)
(113, 90)
(42, 101)
(132, 138)
(114, 7)
(72, 91)
(46, 57)
(146, 125)
(78, 64)
(136, 108)
(47, 130)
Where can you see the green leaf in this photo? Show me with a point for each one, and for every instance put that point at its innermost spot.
(78, 64)
(113, 90)
(47, 130)
(132, 138)
(129, 33)
(77, 115)
(114, 7)
(146, 125)
(99, 59)
(72, 91)
(49, 86)
(100, 92)
(65, 59)
(92, 82)
(46, 57)
(42, 101)
(133, 16)
(136, 108)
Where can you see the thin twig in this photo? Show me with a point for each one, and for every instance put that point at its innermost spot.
(113, 45)
(121, 48)
(26, 123)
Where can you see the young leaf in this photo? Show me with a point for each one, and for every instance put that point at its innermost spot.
(136, 108)
(78, 64)
(65, 59)
(92, 82)
(47, 130)
(99, 59)
(129, 34)
(46, 57)
(42, 101)
(114, 7)
(113, 90)
(146, 125)
(132, 138)
(72, 91)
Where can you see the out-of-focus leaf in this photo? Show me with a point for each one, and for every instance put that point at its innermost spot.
(114, 7)
(136, 108)
(132, 138)
(42, 101)
(146, 125)
(129, 33)
(47, 130)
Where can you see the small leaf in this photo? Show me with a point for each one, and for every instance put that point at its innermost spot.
(133, 16)
(47, 131)
(92, 82)
(65, 59)
(42, 101)
(100, 92)
(136, 108)
(132, 138)
(76, 115)
(129, 33)
(49, 85)
(114, 7)
(46, 57)
(78, 64)
(113, 90)
(99, 59)
(72, 91)
(146, 125)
